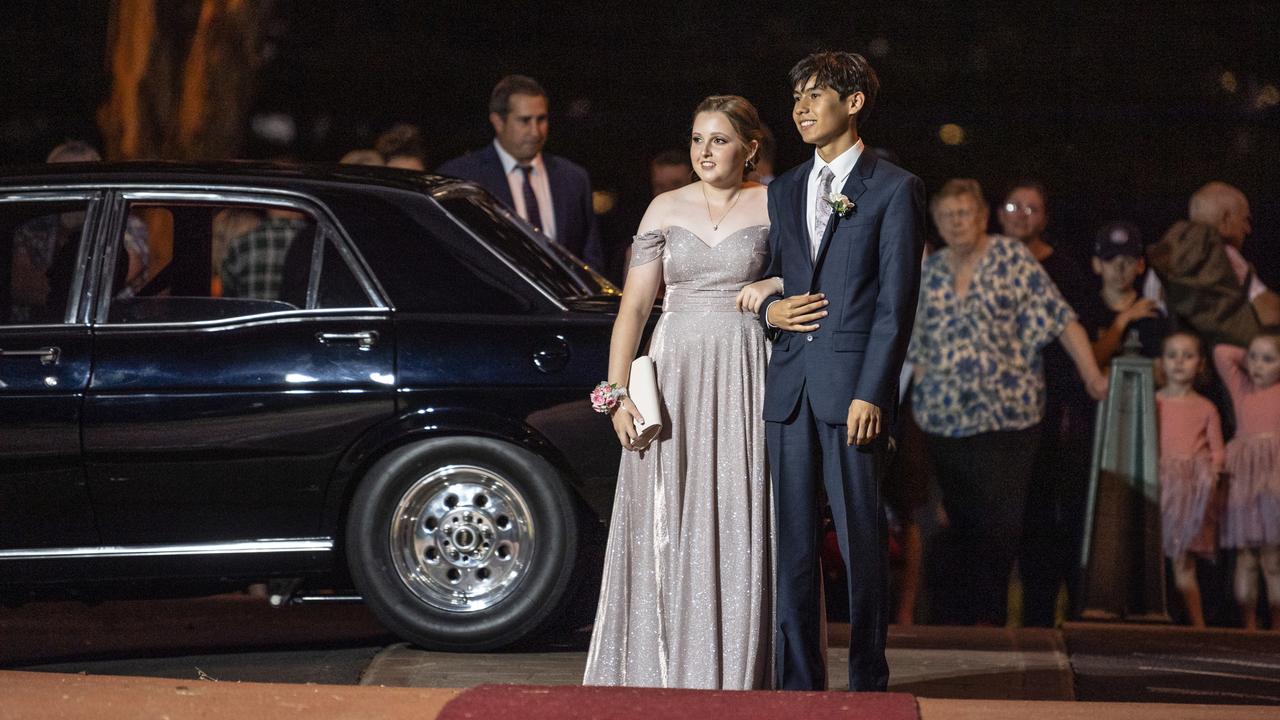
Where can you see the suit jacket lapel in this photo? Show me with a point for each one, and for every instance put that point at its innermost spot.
(800, 219)
(560, 197)
(494, 178)
(853, 189)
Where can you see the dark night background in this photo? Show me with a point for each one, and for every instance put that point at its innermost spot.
(1122, 110)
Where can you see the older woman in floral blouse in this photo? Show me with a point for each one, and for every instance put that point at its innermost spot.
(986, 309)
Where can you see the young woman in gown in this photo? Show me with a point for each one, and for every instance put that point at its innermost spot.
(687, 594)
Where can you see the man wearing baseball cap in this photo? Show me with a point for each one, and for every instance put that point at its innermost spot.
(1118, 261)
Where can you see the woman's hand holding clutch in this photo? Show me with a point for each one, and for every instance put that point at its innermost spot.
(624, 419)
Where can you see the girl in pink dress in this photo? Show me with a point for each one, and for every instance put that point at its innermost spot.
(1191, 458)
(1251, 521)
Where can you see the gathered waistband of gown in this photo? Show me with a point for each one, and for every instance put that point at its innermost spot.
(1265, 435)
(680, 300)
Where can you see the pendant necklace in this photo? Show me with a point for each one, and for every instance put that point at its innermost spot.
(715, 225)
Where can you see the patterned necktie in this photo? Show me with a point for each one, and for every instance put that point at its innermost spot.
(822, 209)
(531, 211)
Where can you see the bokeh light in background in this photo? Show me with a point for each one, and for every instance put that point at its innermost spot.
(951, 134)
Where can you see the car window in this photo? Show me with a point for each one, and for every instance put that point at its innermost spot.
(190, 262)
(546, 262)
(425, 263)
(39, 248)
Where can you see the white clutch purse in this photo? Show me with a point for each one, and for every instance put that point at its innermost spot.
(643, 391)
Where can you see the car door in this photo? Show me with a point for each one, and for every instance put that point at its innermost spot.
(227, 385)
(44, 368)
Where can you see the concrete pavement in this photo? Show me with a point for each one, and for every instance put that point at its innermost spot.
(951, 662)
(36, 696)
(954, 672)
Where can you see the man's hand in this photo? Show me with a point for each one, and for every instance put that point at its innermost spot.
(795, 313)
(863, 422)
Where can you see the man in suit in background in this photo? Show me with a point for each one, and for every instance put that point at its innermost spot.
(847, 229)
(552, 194)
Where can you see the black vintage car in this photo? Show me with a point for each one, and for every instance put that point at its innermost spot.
(344, 376)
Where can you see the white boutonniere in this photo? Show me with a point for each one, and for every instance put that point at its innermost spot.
(841, 205)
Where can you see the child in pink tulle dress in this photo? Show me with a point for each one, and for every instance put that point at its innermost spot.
(1251, 519)
(1191, 459)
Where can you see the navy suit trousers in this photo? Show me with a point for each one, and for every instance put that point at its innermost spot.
(851, 477)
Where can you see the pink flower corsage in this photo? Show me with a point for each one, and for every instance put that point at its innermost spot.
(606, 396)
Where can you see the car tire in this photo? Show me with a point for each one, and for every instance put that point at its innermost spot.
(463, 544)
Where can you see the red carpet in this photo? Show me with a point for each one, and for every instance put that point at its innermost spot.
(530, 702)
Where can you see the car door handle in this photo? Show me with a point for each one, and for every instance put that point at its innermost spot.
(365, 339)
(47, 355)
(552, 357)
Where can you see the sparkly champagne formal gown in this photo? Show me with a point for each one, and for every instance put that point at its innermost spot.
(687, 595)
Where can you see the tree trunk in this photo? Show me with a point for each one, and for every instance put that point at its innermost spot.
(182, 77)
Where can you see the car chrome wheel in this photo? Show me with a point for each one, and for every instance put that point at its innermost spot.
(461, 538)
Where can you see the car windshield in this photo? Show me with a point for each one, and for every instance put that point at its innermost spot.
(545, 261)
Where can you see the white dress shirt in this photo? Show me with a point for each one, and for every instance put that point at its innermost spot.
(541, 188)
(841, 167)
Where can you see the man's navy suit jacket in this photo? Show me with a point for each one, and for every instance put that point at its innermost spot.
(570, 197)
(868, 265)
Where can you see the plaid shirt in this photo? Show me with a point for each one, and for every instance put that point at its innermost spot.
(254, 264)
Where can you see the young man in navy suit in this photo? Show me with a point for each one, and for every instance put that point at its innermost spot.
(551, 193)
(846, 237)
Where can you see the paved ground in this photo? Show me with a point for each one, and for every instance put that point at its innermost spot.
(958, 662)
(1174, 664)
(32, 696)
(945, 662)
(236, 640)
(328, 665)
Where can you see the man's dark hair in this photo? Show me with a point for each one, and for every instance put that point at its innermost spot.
(844, 72)
(500, 99)
(671, 157)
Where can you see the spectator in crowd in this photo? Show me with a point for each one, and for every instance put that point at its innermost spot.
(1227, 210)
(906, 490)
(37, 244)
(253, 266)
(1191, 459)
(363, 156)
(765, 159)
(1060, 471)
(1118, 307)
(986, 309)
(401, 147)
(1251, 518)
(669, 169)
(228, 225)
(1207, 283)
(551, 193)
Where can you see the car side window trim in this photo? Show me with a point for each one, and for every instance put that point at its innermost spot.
(464, 189)
(327, 230)
(94, 210)
(231, 323)
(285, 198)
